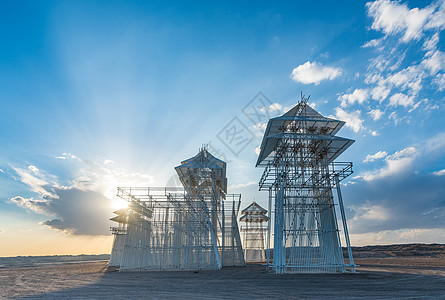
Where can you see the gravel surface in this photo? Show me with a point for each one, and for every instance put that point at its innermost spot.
(385, 278)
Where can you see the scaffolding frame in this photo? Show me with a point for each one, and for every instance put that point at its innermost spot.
(171, 228)
(298, 152)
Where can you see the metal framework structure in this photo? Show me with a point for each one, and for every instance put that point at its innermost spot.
(298, 152)
(170, 228)
(254, 232)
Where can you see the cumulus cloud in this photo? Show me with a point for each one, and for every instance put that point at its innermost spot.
(82, 207)
(36, 205)
(434, 61)
(395, 76)
(439, 173)
(314, 72)
(359, 96)
(39, 183)
(373, 43)
(373, 157)
(258, 129)
(394, 17)
(439, 82)
(352, 119)
(431, 43)
(401, 99)
(275, 107)
(399, 162)
(380, 93)
(376, 114)
(408, 79)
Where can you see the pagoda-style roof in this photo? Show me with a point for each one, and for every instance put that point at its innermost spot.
(254, 213)
(254, 208)
(120, 219)
(254, 218)
(302, 122)
(201, 170)
(121, 212)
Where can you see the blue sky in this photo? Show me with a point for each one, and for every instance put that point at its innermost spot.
(95, 95)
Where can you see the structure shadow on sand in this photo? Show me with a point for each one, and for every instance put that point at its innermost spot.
(90, 281)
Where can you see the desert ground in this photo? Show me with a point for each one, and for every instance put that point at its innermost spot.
(388, 272)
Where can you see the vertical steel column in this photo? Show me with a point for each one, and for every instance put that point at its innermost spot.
(345, 226)
(278, 255)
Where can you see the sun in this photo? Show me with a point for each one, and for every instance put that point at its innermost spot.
(119, 203)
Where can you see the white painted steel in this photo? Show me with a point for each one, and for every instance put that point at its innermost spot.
(298, 152)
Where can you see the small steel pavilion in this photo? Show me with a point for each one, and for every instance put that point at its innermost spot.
(254, 231)
(298, 152)
(172, 228)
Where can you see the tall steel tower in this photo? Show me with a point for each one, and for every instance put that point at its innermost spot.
(298, 152)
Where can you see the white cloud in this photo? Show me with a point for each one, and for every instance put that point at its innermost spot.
(36, 205)
(275, 107)
(431, 43)
(85, 204)
(259, 129)
(33, 169)
(380, 93)
(39, 183)
(352, 119)
(359, 96)
(2, 171)
(439, 81)
(400, 99)
(398, 162)
(436, 144)
(376, 114)
(373, 43)
(108, 161)
(393, 17)
(409, 79)
(437, 19)
(434, 61)
(258, 150)
(314, 73)
(374, 133)
(371, 212)
(439, 173)
(373, 157)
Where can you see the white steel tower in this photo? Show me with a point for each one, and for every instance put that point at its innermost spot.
(298, 152)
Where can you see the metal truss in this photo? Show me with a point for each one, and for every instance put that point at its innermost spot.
(298, 152)
(170, 228)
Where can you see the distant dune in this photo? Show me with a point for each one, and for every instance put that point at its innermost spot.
(402, 250)
(28, 261)
(383, 251)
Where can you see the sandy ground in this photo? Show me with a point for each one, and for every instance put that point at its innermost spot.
(378, 278)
